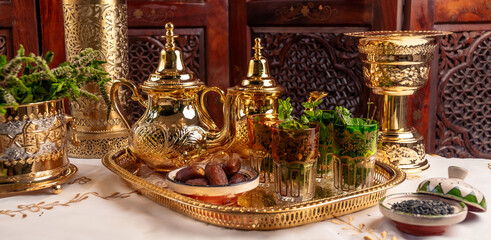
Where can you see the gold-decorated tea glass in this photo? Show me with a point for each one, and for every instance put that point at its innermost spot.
(295, 153)
(175, 129)
(355, 150)
(261, 157)
(33, 145)
(395, 65)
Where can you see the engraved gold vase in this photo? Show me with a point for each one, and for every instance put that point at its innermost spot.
(395, 65)
(33, 147)
(101, 25)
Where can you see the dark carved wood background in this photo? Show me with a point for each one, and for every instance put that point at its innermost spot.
(18, 25)
(457, 99)
(307, 62)
(463, 123)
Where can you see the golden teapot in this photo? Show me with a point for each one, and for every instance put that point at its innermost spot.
(176, 126)
(257, 93)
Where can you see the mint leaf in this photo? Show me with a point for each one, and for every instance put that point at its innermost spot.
(344, 116)
(285, 109)
(358, 121)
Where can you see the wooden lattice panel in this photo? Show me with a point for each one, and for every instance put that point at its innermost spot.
(306, 62)
(463, 123)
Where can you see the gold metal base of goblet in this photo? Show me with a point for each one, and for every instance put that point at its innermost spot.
(405, 149)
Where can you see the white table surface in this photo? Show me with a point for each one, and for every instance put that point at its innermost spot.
(99, 205)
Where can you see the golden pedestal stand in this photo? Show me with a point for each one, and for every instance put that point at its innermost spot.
(395, 65)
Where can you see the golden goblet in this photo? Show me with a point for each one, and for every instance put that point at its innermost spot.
(395, 65)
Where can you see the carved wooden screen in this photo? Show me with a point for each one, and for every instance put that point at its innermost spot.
(18, 25)
(306, 49)
(460, 96)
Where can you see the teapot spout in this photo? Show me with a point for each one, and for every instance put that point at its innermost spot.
(224, 138)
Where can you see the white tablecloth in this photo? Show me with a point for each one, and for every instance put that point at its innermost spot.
(97, 204)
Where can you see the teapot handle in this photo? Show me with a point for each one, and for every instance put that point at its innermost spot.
(136, 96)
(207, 120)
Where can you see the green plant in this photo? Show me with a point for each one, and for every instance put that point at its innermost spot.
(28, 79)
(325, 120)
(285, 114)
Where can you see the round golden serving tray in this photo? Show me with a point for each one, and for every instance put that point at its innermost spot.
(265, 218)
(54, 183)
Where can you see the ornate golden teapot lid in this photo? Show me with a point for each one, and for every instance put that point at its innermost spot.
(171, 72)
(258, 78)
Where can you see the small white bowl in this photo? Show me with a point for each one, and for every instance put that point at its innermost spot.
(421, 225)
(222, 195)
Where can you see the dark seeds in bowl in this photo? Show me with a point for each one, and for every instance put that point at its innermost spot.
(423, 207)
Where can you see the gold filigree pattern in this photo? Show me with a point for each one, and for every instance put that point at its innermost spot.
(33, 137)
(94, 148)
(378, 75)
(404, 155)
(24, 210)
(355, 142)
(103, 27)
(167, 147)
(32, 143)
(316, 12)
(396, 49)
(31, 160)
(361, 229)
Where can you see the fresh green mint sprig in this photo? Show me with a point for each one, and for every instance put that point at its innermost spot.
(289, 122)
(28, 79)
(340, 115)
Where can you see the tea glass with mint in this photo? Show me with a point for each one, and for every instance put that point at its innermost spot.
(325, 120)
(295, 153)
(355, 149)
(261, 157)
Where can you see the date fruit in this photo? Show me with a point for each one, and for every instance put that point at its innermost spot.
(215, 174)
(197, 182)
(232, 166)
(190, 172)
(237, 178)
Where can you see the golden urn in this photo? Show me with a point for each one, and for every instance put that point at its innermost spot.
(176, 127)
(257, 93)
(33, 151)
(395, 65)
